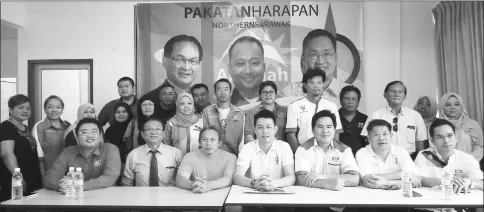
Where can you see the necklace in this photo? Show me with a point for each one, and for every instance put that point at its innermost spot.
(21, 127)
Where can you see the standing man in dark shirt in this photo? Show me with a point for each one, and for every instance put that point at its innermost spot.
(352, 120)
(201, 96)
(126, 92)
(166, 108)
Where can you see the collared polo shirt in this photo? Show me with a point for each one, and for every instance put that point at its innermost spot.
(209, 168)
(281, 115)
(460, 163)
(260, 163)
(50, 140)
(101, 169)
(411, 127)
(397, 160)
(137, 165)
(310, 157)
(233, 133)
(351, 134)
(107, 112)
(301, 112)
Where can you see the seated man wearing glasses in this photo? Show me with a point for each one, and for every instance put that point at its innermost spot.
(100, 162)
(381, 162)
(267, 92)
(153, 164)
(408, 131)
(432, 162)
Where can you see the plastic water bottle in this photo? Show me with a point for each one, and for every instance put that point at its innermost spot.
(78, 184)
(407, 184)
(70, 183)
(447, 187)
(17, 188)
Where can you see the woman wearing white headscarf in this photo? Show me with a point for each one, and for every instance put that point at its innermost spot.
(427, 107)
(468, 132)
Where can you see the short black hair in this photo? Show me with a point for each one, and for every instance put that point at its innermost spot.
(311, 73)
(439, 123)
(164, 85)
(247, 39)
(267, 114)
(347, 89)
(168, 49)
(318, 33)
(394, 83)
(321, 114)
(53, 97)
(222, 80)
(87, 121)
(122, 79)
(197, 86)
(17, 100)
(378, 122)
(267, 83)
(153, 119)
(209, 127)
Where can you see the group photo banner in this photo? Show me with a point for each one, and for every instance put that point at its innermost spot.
(280, 28)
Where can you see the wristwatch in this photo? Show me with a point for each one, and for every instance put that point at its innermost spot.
(252, 183)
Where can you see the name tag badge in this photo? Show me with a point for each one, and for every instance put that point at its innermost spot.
(281, 114)
(360, 125)
(411, 127)
(97, 163)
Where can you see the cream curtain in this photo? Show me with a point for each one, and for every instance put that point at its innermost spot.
(459, 43)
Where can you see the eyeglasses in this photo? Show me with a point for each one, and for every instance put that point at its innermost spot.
(270, 93)
(85, 133)
(150, 130)
(168, 94)
(183, 61)
(147, 105)
(316, 55)
(395, 122)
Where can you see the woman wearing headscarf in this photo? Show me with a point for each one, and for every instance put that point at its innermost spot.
(427, 107)
(146, 109)
(121, 131)
(183, 129)
(468, 132)
(84, 111)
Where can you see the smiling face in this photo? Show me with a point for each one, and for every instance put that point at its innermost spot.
(209, 141)
(423, 107)
(53, 109)
(182, 64)
(324, 130)
(265, 129)
(452, 107)
(395, 94)
(314, 86)
(89, 113)
(88, 135)
(320, 53)
(268, 95)
(186, 106)
(223, 92)
(153, 132)
(121, 115)
(20, 112)
(379, 138)
(147, 107)
(125, 89)
(247, 65)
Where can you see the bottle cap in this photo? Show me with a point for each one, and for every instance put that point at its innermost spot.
(16, 169)
(78, 169)
(71, 168)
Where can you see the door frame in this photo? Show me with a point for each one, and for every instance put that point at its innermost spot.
(31, 78)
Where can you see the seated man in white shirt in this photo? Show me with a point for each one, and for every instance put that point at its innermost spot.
(152, 164)
(271, 161)
(432, 162)
(323, 162)
(382, 163)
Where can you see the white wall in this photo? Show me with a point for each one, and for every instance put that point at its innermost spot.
(14, 13)
(398, 44)
(102, 31)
